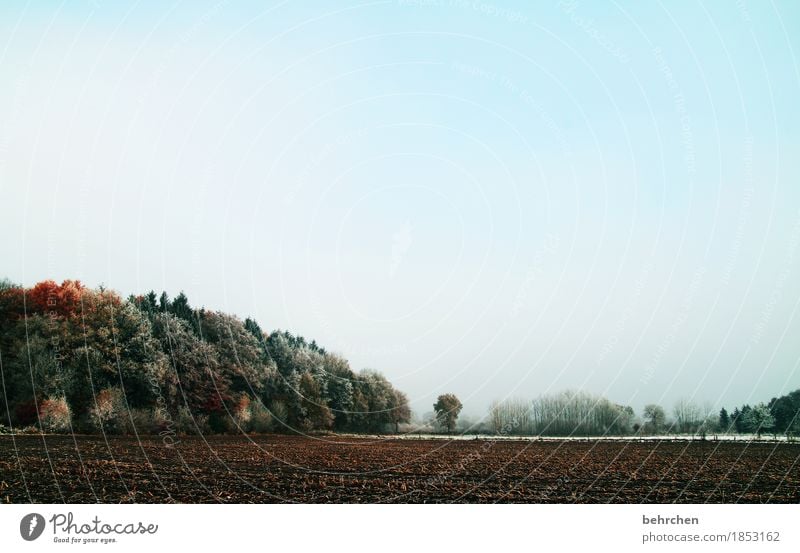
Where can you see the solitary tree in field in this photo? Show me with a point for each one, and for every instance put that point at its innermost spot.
(655, 417)
(447, 408)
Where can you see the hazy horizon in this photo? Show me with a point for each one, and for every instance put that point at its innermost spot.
(490, 200)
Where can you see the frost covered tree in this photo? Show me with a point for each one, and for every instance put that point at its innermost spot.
(688, 416)
(759, 419)
(654, 417)
(724, 420)
(786, 410)
(399, 411)
(104, 363)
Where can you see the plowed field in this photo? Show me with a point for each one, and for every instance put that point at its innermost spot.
(334, 469)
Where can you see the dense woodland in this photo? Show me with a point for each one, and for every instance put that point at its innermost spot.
(82, 360)
(74, 359)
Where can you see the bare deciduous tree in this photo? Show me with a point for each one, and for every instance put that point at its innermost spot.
(655, 417)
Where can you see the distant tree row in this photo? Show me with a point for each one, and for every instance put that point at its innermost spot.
(83, 360)
(780, 416)
(564, 414)
(583, 414)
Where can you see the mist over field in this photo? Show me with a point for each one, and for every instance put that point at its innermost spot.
(495, 201)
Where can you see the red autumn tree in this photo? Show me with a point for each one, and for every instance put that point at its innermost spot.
(49, 297)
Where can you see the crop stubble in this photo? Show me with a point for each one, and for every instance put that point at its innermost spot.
(335, 469)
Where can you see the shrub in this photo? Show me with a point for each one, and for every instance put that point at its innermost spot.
(260, 417)
(29, 430)
(144, 421)
(242, 413)
(163, 421)
(185, 423)
(54, 415)
(219, 422)
(280, 412)
(110, 412)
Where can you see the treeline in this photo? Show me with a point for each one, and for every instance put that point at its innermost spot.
(780, 416)
(564, 414)
(75, 359)
(583, 414)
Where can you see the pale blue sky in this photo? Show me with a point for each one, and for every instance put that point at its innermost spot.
(480, 197)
